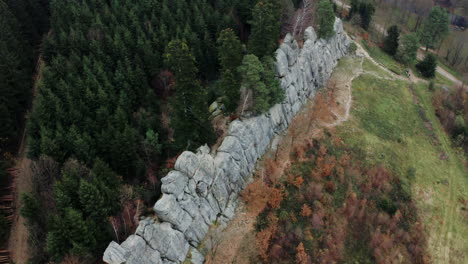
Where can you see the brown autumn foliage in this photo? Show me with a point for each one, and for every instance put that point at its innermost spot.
(298, 181)
(276, 196)
(306, 211)
(450, 108)
(256, 195)
(341, 206)
(301, 255)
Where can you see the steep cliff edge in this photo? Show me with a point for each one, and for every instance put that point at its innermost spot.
(204, 186)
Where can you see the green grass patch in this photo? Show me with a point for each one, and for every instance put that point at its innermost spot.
(386, 128)
(383, 58)
(369, 66)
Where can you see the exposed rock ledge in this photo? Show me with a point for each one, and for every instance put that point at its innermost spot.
(204, 187)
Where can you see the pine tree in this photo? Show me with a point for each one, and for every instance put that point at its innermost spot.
(435, 28)
(265, 28)
(190, 112)
(366, 11)
(260, 79)
(229, 50)
(428, 66)
(326, 19)
(230, 58)
(391, 41)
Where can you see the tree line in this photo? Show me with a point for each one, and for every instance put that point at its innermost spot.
(126, 85)
(22, 23)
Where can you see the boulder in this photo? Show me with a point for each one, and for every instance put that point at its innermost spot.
(310, 34)
(174, 183)
(170, 243)
(187, 163)
(168, 209)
(196, 257)
(141, 252)
(115, 254)
(281, 63)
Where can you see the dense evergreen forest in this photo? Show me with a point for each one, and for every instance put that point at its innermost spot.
(22, 24)
(125, 88)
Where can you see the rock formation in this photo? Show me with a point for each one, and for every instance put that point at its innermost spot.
(204, 187)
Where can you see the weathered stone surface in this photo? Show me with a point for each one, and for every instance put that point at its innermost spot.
(204, 186)
(196, 257)
(142, 253)
(115, 254)
(168, 209)
(310, 34)
(174, 183)
(197, 231)
(187, 163)
(170, 243)
(281, 63)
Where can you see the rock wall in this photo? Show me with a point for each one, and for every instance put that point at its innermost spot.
(204, 187)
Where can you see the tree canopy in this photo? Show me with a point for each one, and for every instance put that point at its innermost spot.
(428, 66)
(435, 27)
(190, 111)
(259, 77)
(326, 19)
(391, 40)
(408, 49)
(265, 28)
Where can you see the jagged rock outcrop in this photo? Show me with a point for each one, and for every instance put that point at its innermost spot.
(204, 187)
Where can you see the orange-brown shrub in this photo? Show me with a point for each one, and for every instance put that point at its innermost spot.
(301, 255)
(306, 211)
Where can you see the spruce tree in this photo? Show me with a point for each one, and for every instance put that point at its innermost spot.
(189, 117)
(265, 28)
(435, 28)
(366, 11)
(260, 79)
(230, 58)
(428, 66)
(326, 19)
(391, 41)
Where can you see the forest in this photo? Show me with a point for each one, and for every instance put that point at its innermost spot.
(125, 87)
(22, 24)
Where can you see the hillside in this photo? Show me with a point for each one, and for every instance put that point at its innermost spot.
(233, 131)
(392, 134)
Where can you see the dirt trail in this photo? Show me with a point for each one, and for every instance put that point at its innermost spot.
(18, 242)
(236, 242)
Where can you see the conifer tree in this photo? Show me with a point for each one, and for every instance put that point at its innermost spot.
(435, 28)
(391, 40)
(428, 66)
(265, 28)
(259, 78)
(326, 19)
(230, 58)
(366, 11)
(190, 112)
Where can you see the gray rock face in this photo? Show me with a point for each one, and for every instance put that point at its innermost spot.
(115, 254)
(174, 183)
(169, 210)
(205, 187)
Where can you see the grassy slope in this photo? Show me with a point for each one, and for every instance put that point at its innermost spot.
(386, 128)
(384, 59)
